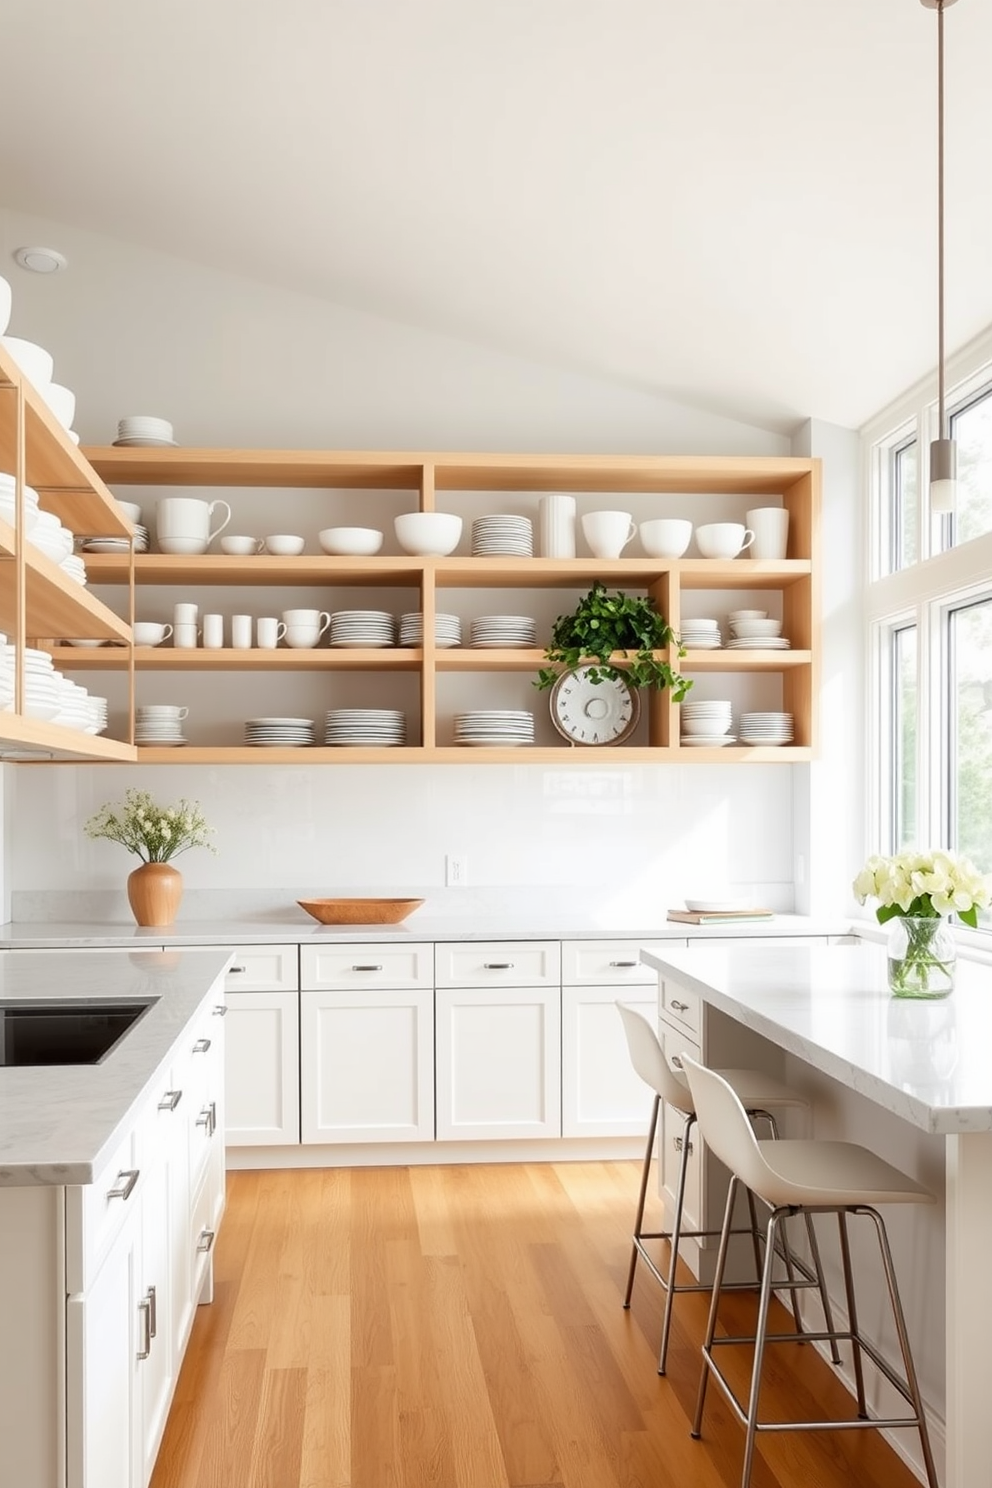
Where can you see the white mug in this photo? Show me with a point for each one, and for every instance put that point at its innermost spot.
(723, 539)
(241, 632)
(770, 525)
(184, 636)
(269, 632)
(185, 614)
(213, 632)
(183, 523)
(607, 532)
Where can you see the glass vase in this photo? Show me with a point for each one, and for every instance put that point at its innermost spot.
(921, 955)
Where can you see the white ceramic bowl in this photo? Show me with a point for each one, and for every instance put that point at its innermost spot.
(736, 615)
(428, 534)
(35, 362)
(186, 546)
(240, 546)
(131, 510)
(666, 537)
(62, 401)
(358, 542)
(6, 296)
(285, 545)
(751, 629)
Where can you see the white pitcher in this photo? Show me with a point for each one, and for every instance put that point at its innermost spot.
(182, 523)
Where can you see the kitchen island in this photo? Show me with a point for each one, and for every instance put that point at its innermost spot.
(111, 1190)
(879, 1069)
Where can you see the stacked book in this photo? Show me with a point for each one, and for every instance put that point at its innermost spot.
(717, 916)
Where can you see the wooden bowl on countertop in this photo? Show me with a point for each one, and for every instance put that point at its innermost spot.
(359, 911)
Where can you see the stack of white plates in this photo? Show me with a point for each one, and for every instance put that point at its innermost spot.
(706, 724)
(42, 683)
(356, 726)
(507, 535)
(159, 723)
(116, 544)
(503, 630)
(50, 537)
(700, 635)
(766, 728)
(74, 706)
(98, 714)
(142, 430)
(447, 630)
(495, 727)
(361, 628)
(8, 510)
(279, 733)
(74, 566)
(759, 643)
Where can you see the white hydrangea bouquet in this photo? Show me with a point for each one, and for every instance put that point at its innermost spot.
(924, 885)
(154, 833)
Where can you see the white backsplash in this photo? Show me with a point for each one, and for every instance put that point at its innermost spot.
(624, 842)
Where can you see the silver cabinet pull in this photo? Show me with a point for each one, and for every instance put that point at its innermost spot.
(124, 1187)
(201, 1046)
(680, 1007)
(368, 967)
(498, 965)
(206, 1240)
(170, 1100)
(624, 964)
(208, 1118)
(676, 1062)
(220, 1011)
(236, 970)
(152, 1312)
(677, 1142)
(145, 1314)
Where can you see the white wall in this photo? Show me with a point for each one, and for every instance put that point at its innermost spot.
(233, 362)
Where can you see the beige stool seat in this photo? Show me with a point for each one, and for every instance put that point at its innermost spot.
(805, 1177)
(761, 1096)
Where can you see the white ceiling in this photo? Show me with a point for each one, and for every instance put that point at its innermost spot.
(731, 202)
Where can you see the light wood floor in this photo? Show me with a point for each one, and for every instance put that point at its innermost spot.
(462, 1327)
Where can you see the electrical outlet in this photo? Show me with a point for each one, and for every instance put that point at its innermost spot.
(455, 871)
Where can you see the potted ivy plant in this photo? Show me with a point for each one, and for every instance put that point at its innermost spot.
(604, 623)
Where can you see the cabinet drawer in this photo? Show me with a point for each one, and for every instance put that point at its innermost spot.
(680, 1007)
(610, 963)
(498, 963)
(366, 965)
(96, 1212)
(264, 968)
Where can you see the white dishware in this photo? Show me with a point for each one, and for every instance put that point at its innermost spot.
(241, 627)
(269, 632)
(131, 510)
(184, 524)
(144, 429)
(747, 615)
(185, 636)
(150, 633)
(770, 525)
(428, 534)
(665, 537)
(556, 525)
(6, 298)
(749, 629)
(723, 539)
(34, 361)
(213, 632)
(304, 628)
(61, 400)
(357, 542)
(240, 546)
(607, 533)
(284, 545)
(502, 536)
(185, 613)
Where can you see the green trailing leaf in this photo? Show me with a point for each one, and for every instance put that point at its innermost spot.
(605, 623)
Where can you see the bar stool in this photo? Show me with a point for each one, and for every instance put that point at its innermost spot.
(802, 1177)
(761, 1096)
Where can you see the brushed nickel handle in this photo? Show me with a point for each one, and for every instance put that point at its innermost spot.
(170, 1100)
(236, 970)
(220, 1010)
(680, 1007)
(208, 1119)
(624, 964)
(144, 1313)
(206, 1240)
(126, 1189)
(365, 967)
(152, 1312)
(498, 965)
(201, 1046)
(677, 1143)
(676, 1062)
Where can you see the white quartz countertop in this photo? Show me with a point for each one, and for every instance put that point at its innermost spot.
(421, 926)
(928, 1062)
(57, 1122)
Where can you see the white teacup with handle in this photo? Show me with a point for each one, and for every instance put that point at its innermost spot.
(304, 628)
(723, 539)
(183, 524)
(608, 532)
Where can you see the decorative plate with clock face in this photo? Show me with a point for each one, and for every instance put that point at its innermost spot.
(587, 712)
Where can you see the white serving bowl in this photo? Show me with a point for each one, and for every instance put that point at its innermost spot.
(356, 542)
(6, 296)
(131, 510)
(285, 545)
(747, 630)
(736, 615)
(35, 362)
(666, 537)
(62, 401)
(428, 534)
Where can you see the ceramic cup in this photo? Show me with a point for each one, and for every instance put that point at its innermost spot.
(723, 539)
(607, 532)
(556, 526)
(241, 632)
(284, 545)
(770, 525)
(666, 537)
(150, 633)
(269, 632)
(305, 627)
(185, 614)
(239, 545)
(213, 632)
(184, 524)
(185, 635)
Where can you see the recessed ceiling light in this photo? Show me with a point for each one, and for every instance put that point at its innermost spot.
(41, 260)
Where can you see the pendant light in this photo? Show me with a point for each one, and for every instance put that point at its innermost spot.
(943, 449)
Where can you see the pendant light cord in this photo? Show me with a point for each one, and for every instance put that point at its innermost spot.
(942, 430)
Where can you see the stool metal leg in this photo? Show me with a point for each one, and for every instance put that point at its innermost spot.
(759, 1348)
(828, 1315)
(721, 1263)
(645, 1178)
(676, 1235)
(852, 1314)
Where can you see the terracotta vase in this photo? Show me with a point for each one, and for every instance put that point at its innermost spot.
(154, 891)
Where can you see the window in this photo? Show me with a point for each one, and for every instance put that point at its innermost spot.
(969, 741)
(971, 426)
(904, 517)
(903, 745)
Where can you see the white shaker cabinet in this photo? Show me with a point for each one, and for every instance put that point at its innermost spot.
(498, 1040)
(262, 1079)
(367, 1043)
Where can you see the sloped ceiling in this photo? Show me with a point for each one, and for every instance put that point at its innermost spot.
(730, 202)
